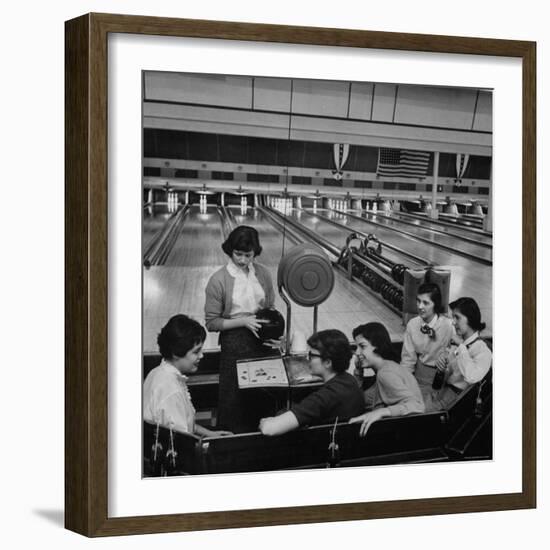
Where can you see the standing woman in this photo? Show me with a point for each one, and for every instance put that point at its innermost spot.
(234, 294)
(468, 358)
(426, 336)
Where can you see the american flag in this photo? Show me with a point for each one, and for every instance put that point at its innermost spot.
(402, 163)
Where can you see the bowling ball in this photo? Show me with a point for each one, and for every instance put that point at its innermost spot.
(275, 326)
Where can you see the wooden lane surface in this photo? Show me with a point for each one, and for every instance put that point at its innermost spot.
(199, 241)
(481, 252)
(447, 219)
(180, 289)
(169, 290)
(338, 235)
(154, 218)
(419, 230)
(468, 278)
(425, 223)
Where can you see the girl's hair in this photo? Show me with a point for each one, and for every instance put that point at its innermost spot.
(435, 295)
(243, 238)
(179, 335)
(334, 346)
(469, 308)
(378, 336)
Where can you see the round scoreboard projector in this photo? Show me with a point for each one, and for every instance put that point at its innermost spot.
(306, 274)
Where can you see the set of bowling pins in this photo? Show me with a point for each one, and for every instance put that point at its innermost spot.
(282, 205)
(172, 202)
(373, 207)
(340, 205)
(244, 205)
(203, 204)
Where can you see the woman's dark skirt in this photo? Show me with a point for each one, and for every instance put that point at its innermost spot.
(240, 410)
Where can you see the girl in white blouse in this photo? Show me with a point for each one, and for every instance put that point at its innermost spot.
(426, 336)
(166, 399)
(467, 359)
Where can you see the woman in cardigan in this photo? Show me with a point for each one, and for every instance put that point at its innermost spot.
(426, 336)
(234, 294)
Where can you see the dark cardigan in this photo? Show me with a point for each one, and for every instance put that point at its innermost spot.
(219, 292)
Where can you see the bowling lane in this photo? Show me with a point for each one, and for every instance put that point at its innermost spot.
(448, 220)
(338, 235)
(468, 278)
(179, 285)
(427, 235)
(427, 224)
(199, 242)
(408, 242)
(181, 288)
(154, 218)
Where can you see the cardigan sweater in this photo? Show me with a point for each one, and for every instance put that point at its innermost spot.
(398, 390)
(219, 293)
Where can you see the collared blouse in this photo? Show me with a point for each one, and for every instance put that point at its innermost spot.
(166, 399)
(469, 362)
(248, 294)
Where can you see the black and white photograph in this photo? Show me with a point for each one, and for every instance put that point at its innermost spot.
(317, 273)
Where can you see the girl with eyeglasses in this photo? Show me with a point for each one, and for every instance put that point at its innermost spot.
(396, 391)
(467, 359)
(339, 397)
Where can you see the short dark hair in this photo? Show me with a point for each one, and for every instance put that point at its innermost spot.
(379, 337)
(243, 238)
(179, 335)
(333, 345)
(435, 295)
(469, 308)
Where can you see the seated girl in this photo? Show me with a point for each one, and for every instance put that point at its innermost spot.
(339, 397)
(426, 335)
(396, 391)
(166, 399)
(467, 359)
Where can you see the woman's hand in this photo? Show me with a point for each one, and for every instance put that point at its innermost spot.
(368, 419)
(205, 432)
(456, 340)
(442, 362)
(219, 433)
(358, 370)
(253, 324)
(278, 344)
(277, 425)
(268, 426)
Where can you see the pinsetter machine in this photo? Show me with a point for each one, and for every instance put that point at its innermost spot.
(394, 283)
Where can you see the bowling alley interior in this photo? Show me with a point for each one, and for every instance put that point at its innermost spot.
(361, 195)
